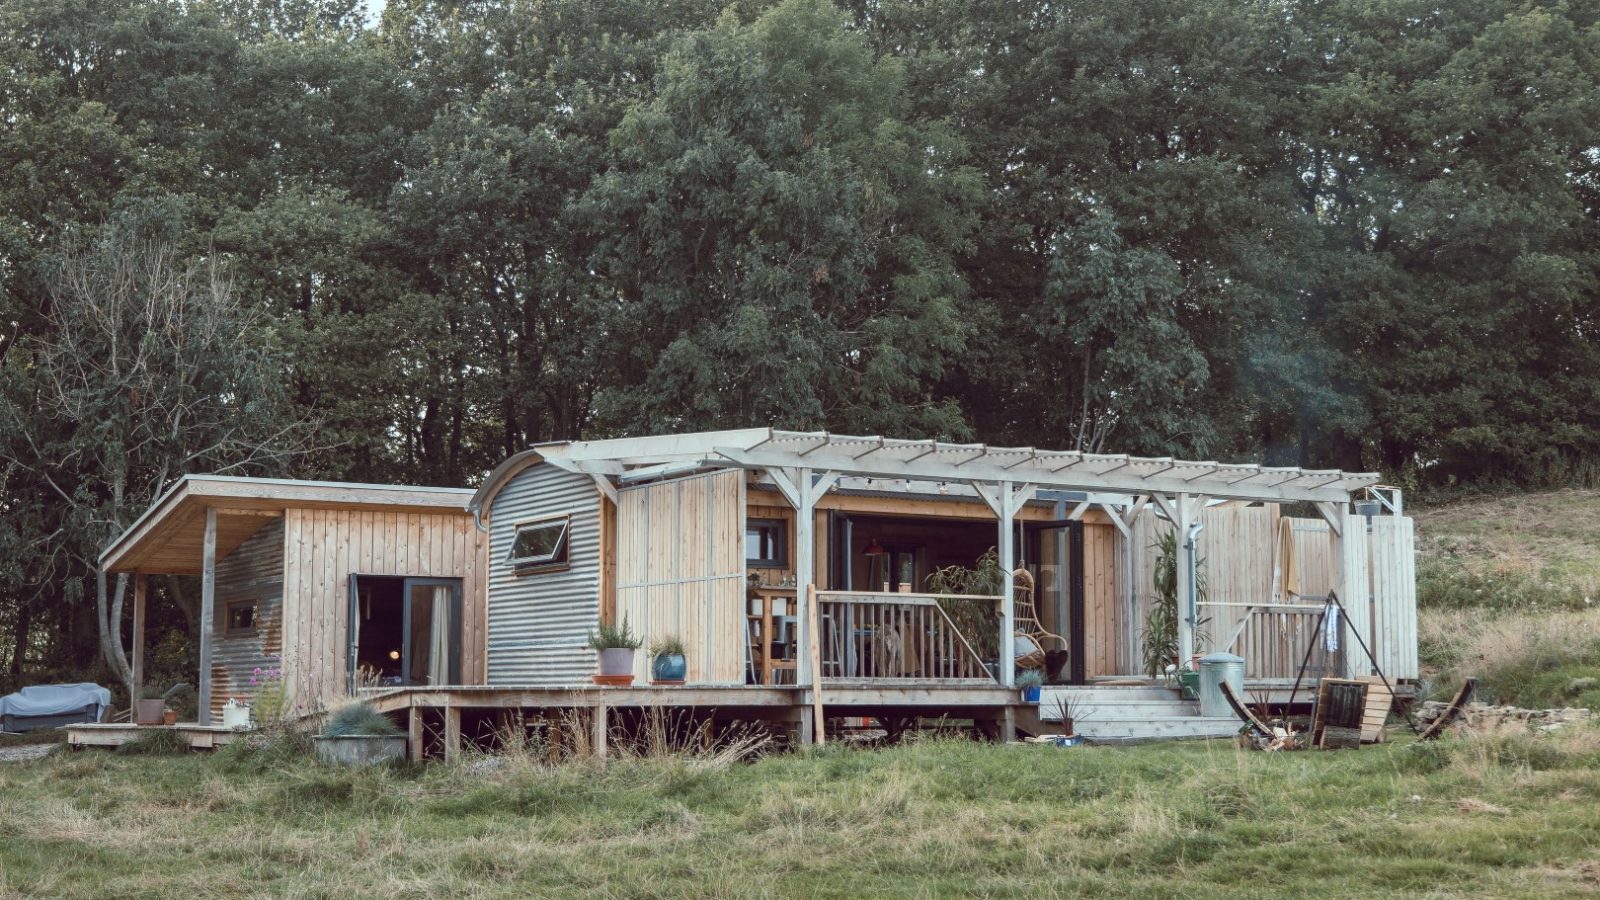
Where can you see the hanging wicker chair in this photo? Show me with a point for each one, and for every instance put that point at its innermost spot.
(1026, 624)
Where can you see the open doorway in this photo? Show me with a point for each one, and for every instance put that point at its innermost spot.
(404, 631)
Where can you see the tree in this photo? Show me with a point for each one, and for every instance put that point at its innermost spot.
(151, 367)
(777, 240)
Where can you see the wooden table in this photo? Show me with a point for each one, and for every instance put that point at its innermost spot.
(766, 594)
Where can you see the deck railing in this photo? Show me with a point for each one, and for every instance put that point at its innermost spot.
(1273, 637)
(868, 636)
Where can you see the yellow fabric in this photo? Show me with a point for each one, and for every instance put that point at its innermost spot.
(1288, 559)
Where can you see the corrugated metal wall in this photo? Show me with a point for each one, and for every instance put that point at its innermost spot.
(252, 572)
(539, 624)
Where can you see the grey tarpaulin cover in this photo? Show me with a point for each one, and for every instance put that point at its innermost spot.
(44, 704)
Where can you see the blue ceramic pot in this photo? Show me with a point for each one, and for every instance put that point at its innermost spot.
(1030, 694)
(669, 667)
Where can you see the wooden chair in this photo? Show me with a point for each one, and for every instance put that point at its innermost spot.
(1025, 620)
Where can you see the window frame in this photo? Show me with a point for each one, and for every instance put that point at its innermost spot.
(781, 560)
(228, 631)
(560, 558)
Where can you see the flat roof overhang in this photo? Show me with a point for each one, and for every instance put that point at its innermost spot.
(169, 537)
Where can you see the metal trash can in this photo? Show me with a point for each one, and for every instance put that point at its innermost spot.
(1215, 668)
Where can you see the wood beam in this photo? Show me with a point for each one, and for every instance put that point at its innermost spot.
(141, 590)
(208, 611)
(414, 737)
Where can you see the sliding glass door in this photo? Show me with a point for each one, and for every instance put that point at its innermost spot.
(404, 631)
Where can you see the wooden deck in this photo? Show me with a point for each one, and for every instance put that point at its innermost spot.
(115, 734)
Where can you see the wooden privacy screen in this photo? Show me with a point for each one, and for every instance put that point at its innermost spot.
(680, 570)
(1240, 552)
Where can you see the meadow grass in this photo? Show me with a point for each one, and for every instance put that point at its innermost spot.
(1503, 813)
(1508, 589)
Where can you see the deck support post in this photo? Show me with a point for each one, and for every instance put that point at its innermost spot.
(599, 728)
(1008, 725)
(452, 733)
(141, 589)
(804, 730)
(208, 611)
(414, 737)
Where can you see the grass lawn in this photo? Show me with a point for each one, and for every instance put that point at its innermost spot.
(1503, 814)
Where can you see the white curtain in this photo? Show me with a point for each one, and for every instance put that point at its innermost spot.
(439, 638)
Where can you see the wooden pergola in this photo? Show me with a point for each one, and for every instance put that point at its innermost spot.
(803, 466)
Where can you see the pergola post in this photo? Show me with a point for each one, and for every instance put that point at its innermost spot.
(1006, 503)
(1349, 583)
(141, 587)
(1182, 505)
(208, 603)
(803, 490)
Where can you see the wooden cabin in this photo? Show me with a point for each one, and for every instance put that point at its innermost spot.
(319, 580)
(794, 567)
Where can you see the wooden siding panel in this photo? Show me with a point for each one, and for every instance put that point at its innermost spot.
(681, 569)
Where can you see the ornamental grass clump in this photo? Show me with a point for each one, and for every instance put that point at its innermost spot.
(359, 720)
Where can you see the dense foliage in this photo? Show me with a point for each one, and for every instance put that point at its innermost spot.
(1344, 233)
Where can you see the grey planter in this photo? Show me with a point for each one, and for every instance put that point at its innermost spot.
(360, 749)
(616, 661)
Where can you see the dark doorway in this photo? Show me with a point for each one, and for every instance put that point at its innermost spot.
(404, 631)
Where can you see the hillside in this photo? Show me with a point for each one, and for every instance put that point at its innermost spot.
(1553, 535)
(1506, 591)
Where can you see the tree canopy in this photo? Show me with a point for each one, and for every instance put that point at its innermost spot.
(1339, 233)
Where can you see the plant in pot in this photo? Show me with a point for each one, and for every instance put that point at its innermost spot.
(359, 735)
(614, 646)
(1029, 681)
(1071, 712)
(668, 664)
(169, 716)
(961, 589)
(147, 710)
(1158, 643)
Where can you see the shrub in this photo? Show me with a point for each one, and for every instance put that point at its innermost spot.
(359, 719)
(614, 637)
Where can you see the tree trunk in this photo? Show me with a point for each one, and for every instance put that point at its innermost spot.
(19, 632)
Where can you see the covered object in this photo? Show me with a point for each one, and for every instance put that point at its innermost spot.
(52, 705)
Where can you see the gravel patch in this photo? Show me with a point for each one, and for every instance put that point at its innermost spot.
(27, 752)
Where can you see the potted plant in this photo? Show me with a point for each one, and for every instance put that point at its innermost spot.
(1071, 711)
(359, 735)
(169, 716)
(147, 710)
(668, 664)
(614, 646)
(1029, 682)
(1158, 643)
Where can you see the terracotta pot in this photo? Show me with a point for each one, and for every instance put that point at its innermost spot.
(169, 717)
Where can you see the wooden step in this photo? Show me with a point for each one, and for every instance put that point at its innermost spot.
(1110, 695)
(1158, 728)
(1142, 709)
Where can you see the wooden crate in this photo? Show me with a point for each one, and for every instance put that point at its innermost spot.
(1341, 713)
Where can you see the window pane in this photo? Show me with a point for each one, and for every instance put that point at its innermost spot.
(541, 543)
